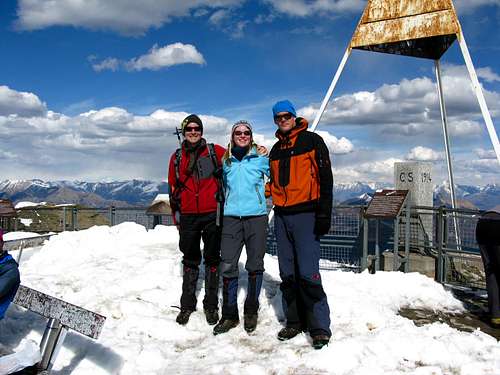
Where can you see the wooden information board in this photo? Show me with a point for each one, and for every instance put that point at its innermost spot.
(386, 204)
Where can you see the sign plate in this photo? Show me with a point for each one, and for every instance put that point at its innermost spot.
(386, 204)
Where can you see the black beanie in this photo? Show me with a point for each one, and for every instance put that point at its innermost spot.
(191, 118)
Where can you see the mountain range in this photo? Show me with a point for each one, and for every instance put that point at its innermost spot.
(134, 193)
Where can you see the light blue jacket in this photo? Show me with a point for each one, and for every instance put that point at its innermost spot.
(244, 185)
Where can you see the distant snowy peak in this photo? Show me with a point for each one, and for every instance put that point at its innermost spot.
(142, 193)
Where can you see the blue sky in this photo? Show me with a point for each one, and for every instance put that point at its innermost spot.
(93, 90)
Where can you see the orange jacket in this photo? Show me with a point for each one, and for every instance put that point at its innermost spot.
(301, 174)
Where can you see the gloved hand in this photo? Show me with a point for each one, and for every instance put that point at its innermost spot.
(322, 225)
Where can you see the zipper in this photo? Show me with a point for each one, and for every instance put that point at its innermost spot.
(258, 194)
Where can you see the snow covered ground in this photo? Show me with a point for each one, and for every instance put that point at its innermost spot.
(133, 277)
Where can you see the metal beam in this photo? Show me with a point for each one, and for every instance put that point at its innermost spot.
(444, 120)
(330, 89)
(480, 96)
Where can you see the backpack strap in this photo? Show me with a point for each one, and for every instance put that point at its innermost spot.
(177, 163)
(220, 186)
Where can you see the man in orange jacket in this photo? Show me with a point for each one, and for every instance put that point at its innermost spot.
(301, 186)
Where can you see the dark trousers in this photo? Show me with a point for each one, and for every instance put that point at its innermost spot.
(252, 232)
(304, 300)
(488, 238)
(236, 232)
(491, 261)
(194, 228)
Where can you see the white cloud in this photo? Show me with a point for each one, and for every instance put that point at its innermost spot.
(421, 153)
(469, 5)
(217, 17)
(157, 58)
(20, 103)
(303, 8)
(228, 22)
(485, 154)
(98, 144)
(488, 74)
(129, 17)
(411, 107)
(374, 170)
(335, 145)
(484, 166)
(306, 8)
(109, 63)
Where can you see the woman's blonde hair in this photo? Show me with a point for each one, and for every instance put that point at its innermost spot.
(226, 158)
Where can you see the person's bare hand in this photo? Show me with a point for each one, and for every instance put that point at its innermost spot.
(262, 150)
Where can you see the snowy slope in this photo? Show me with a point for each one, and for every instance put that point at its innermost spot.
(133, 277)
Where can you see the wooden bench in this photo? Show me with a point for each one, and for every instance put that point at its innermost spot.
(61, 316)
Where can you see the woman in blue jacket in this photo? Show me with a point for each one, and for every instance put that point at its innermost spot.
(245, 166)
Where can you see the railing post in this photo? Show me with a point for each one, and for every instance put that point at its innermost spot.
(395, 259)
(64, 220)
(74, 219)
(112, 215)
(407, 236)
(439, 240)
(364, 259)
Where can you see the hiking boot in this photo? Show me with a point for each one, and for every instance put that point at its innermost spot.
(183, 317)
(250, 322)
(225, 325)
(288, 333)
(320, 340)
(212, 316)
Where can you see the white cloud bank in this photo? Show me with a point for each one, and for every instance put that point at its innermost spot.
(411, 108)
(128, 17)
(20, 103)
(306, 8)
(157, 58)
(421, 153)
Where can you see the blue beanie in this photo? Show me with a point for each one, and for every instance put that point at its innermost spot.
(284, 106)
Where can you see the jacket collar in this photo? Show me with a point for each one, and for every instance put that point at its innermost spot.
(300, 126)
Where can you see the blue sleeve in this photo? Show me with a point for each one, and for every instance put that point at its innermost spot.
(9, 282)
(264, 165)
(9, 277)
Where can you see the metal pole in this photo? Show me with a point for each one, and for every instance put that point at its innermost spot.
(447, 147)
(330, 89)
(480, 96)
(51, 343)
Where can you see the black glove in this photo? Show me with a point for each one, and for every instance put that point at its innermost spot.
(217, 173)
(322, 225)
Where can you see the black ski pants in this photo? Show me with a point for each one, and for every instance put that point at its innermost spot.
(194, 228)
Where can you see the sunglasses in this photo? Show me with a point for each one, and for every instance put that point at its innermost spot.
(188, 129)
(286, 116)
(246, 132)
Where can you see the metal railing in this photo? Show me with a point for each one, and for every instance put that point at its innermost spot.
(60, 219)
(432, 235)
(341, 247)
